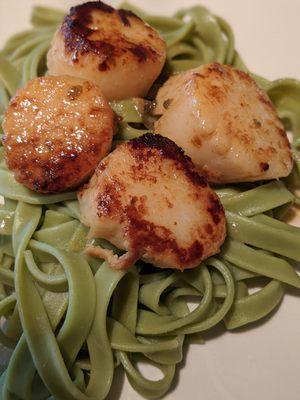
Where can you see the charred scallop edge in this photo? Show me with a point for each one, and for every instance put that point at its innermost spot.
(89, 6)
(86, 8)
(170, 150)
(125, 14)
(76, 34)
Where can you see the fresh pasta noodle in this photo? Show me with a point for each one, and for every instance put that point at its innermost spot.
(70, 320)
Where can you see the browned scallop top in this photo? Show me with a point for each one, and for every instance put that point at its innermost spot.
(147, 144)
(219, 95)
(224, 118)
(167, 213)
(57, 129)
(145, 235)
(96, 28)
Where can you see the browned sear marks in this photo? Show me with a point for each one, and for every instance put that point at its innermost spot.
(57, 129)
(108, 201)
(167, 103)
(151, 202)
(124, 16)
(225, 122)
(169, 150)
(141, 52)
(114, 49)
(257, 123)
(78, 33)
(196, 140)
(264, 166)
(215, 209)
(147, 236)
(74, 92)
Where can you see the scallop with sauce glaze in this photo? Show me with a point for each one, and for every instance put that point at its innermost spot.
(57, 129)
(225, 123)
(147, 199)
(113, 48)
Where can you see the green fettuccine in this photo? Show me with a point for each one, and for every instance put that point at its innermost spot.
(70, 320)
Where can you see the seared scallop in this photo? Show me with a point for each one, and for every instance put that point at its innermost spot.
(57, 129)
(113, 48)
(225, 123)
(147, 199)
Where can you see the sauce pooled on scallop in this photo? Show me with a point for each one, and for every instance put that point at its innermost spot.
(113, 48)
(225, 123)
(57, 129)
(147, 199)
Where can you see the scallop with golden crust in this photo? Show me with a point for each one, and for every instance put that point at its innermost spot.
(113, 48)
(147, 199)
(225, 123)
(57, 129)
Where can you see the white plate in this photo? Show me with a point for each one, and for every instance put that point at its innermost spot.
(262, 362)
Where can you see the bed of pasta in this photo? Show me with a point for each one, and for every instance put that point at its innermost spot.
(80, 318)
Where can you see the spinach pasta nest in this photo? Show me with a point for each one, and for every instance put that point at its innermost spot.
(68, 317)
